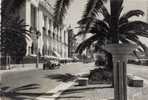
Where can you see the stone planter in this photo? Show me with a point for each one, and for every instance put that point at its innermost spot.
(133, 81)
(120, 54)
(82, 81)
(100, 76)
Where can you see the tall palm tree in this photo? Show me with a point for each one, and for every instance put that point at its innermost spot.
(114, 28)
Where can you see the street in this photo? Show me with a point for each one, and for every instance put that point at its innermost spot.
(33, 83)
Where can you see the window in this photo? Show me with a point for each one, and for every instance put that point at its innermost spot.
(33, 17)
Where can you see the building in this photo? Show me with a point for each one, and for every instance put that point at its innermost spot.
(44, 39)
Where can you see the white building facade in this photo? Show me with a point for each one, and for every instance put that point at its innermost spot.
(38, 16)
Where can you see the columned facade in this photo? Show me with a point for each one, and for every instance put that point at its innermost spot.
(38, 16)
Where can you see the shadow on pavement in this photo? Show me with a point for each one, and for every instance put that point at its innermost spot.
(8, 93)
(62, 77)
(81, 89)
(75, 93)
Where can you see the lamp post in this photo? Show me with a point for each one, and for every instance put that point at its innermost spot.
(38, 34)
(120, 54)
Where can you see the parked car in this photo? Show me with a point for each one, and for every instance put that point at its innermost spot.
(51, 64)
(55, 62)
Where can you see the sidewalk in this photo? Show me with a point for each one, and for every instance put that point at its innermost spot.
(49, 81)
(74, 92)
(102, 92)
(21, 67)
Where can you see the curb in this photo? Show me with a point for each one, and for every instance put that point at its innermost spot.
(56, 91)
(137, 77)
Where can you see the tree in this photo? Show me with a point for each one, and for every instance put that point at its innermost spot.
(103, 30)
(13, 31)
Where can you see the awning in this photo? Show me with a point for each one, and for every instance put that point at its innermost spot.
(56, 54)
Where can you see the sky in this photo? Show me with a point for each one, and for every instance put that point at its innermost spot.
(77, 7)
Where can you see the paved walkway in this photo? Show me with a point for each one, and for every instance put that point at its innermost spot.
(21, 67)
(49, 81)
(102, 92)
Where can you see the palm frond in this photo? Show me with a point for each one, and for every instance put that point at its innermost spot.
(91, 6)
(106, 14)
(140, 33)
(85, 20)
(101, 26)
(134, 52)
(133, 13)
(81, 32)
(144, 47)
(98, 26)
(60, 8)
(86, 43)
(136, 25)
(125, 17)
(123, 39)
(85, 28)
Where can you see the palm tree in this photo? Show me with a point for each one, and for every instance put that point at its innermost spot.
(104, 30)
(114, 27)
(13, 31)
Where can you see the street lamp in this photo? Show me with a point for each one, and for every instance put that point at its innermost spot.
(38, 34)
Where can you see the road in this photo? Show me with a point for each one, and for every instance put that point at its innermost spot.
(33, 83)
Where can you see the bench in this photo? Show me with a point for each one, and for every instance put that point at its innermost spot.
(82, 81)
(134, 81)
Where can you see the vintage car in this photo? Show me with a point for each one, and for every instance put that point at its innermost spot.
(51, 64)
